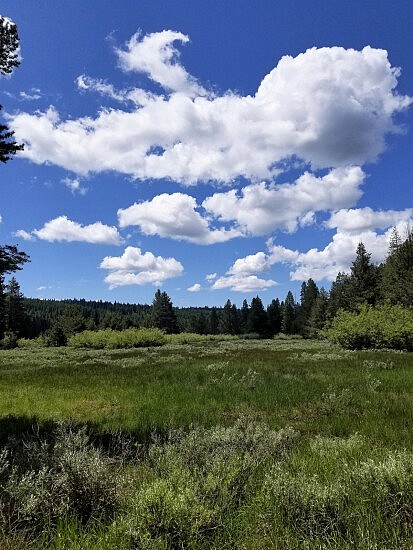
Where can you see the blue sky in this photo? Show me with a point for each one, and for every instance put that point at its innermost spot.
(216, 149)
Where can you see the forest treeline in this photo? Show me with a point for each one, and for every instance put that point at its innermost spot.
(56, 320)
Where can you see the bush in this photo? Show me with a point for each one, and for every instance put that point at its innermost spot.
(201, 477)
(355, 509)
(55, 337)
(26, 343)
(384, 326)
(42, 482)
(191, 338)
(113, 339)
(9, 340)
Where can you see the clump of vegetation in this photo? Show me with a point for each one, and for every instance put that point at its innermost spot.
(192, 338)
(354, 509)
(202, 477)
(383, 326)
(44, 481)
(114, 339)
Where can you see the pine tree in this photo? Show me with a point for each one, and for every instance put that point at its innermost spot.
(72, 320)
(289, 314)
(3, 325)
(318, 315)
(15, 312)
(257, 318)
(11, 260)
(274, 317)
(9, 59)
(163, 315)
(228, 323)
(339, 295)
(244, 316)
(213, 321)
(363, 281)
(309, 293)
(397, 273)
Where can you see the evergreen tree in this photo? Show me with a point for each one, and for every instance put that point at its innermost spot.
(163, 315)
(198, 324)
(228, 323)
(274, 317)
(9, 59)
(363, 280)
(11, 260)
(213, 321)
(55, 336)
(257, 318)
(2, 308)
(235, 319)
(15, 312)
(339, 295)
(309, 293)
(397, 272)
(244, 316)
(289, 314)
(72, 320)
(318, 315)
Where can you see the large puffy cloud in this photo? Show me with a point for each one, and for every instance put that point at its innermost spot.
(330, 107)
(63, 229)
(261, 208)
(135, 268)
(352, 227)
(339, 254)
(173, 216)
(362, 219)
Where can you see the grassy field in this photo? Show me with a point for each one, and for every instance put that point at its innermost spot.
(211, 444)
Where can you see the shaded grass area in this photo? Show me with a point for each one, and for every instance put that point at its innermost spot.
(232, 444)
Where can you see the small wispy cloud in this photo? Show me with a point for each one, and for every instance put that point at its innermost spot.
(194, 288)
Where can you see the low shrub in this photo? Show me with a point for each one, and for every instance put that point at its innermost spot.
(42, 482)
(26, 343)
(201, 477)
(9, 340)
(352, 511)
(383, 326)
(192, 338)
(114, 339)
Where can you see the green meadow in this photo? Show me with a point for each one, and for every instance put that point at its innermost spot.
(199, 443)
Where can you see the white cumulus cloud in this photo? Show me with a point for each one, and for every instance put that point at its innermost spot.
(243, 283)
(173, 216)
(329, 107)
(362, 219)
(339, 254)
(63, 229)
(260, 208)
(254, 263)
(135, 268)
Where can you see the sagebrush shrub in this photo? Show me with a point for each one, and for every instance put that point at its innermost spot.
(42, 482)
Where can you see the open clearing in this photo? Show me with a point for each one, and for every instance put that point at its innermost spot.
(230, 444)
